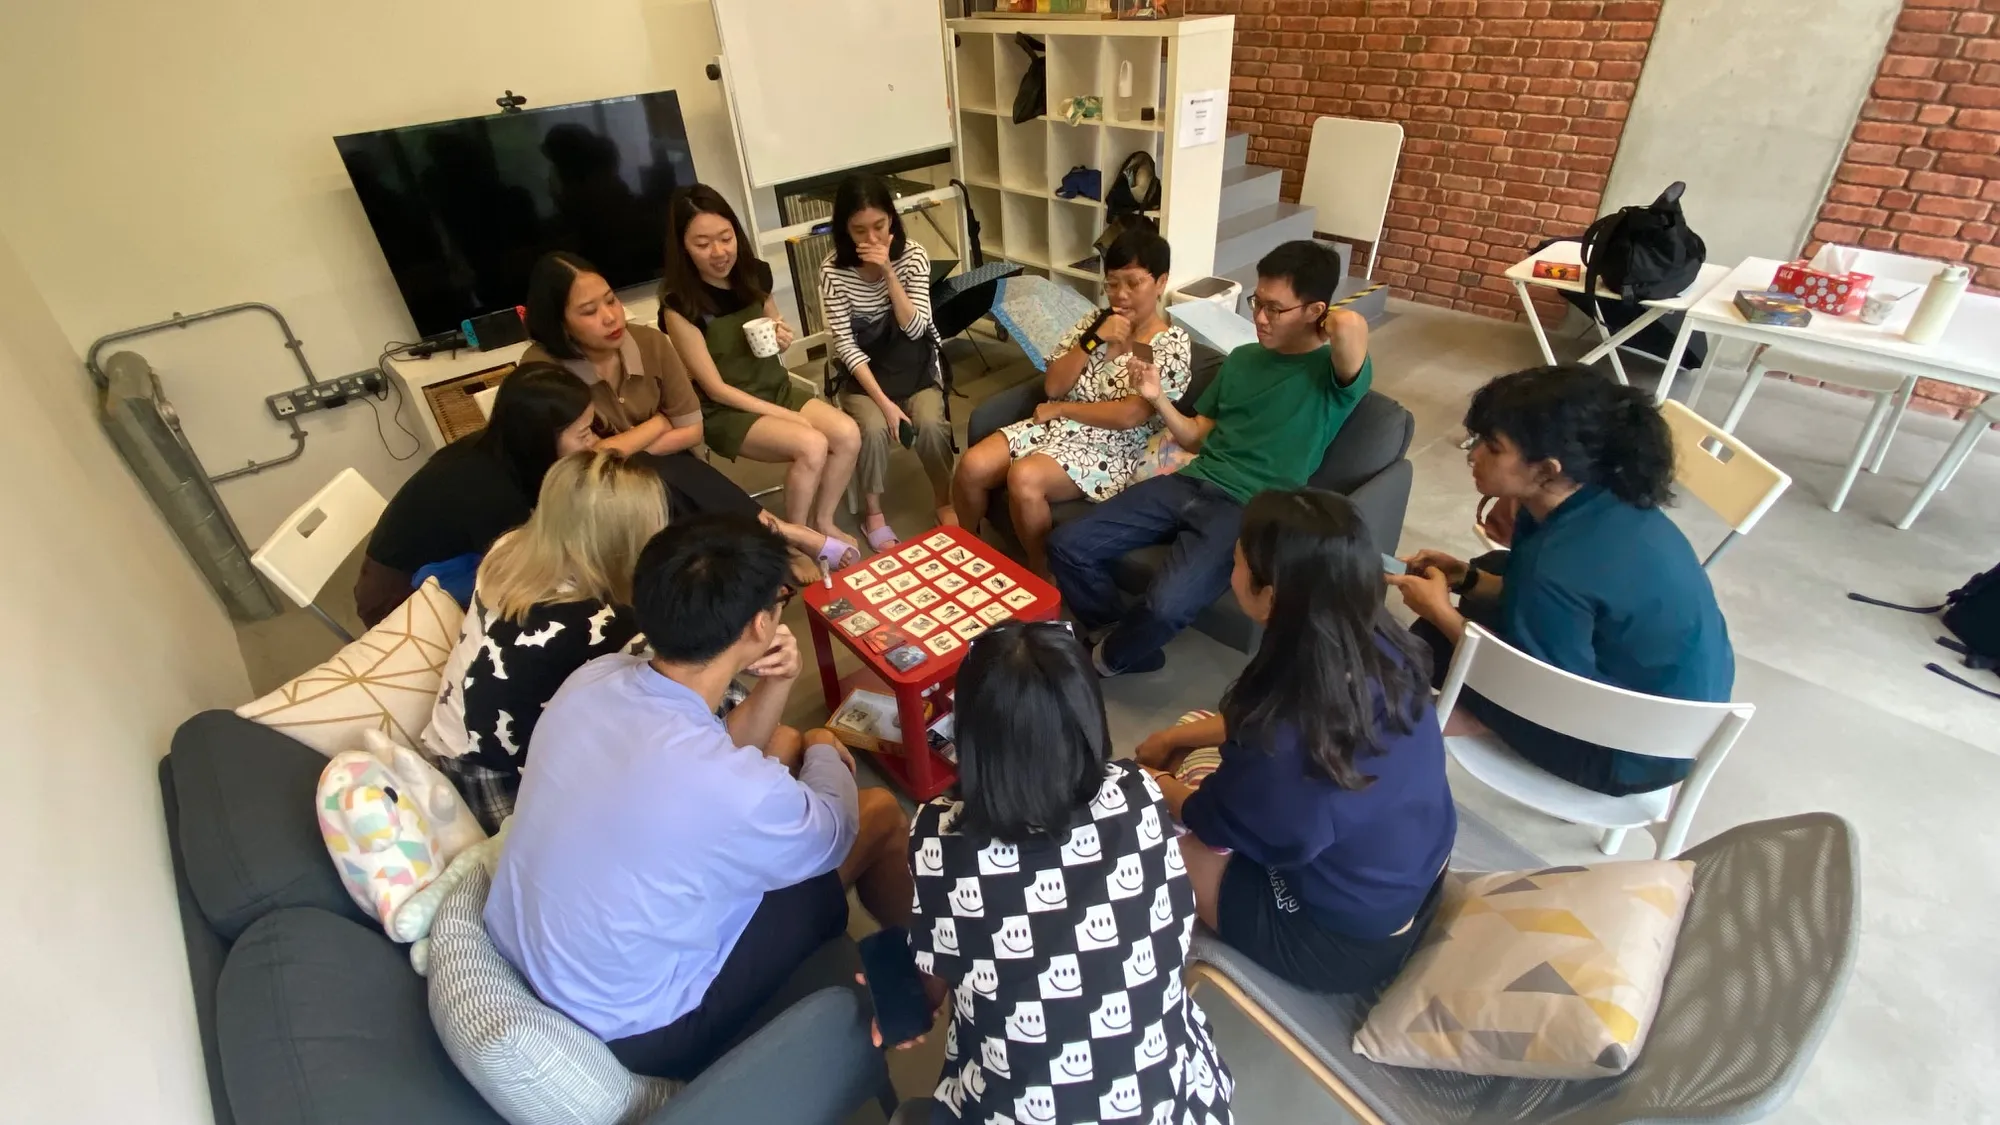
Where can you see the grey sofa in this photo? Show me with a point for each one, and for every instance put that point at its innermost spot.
(1367, 463)
(309, 1013)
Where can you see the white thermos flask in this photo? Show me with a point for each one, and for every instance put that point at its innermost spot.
(1940, 301)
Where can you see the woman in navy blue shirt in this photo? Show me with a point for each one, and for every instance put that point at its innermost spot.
(1319, 844)
(1599, 582)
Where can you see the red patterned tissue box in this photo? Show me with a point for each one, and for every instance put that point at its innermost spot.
(1837, 294)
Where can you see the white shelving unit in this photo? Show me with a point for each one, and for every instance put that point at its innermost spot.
(1013, 170)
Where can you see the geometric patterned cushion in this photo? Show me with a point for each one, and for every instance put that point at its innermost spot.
(533, 1065)
(386, 681)
(1550, 973)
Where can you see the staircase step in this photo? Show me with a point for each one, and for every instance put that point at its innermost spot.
(1235, 149)
(1242, 239)
(1247, 187)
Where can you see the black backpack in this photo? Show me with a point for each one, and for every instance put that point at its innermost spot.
(1134, 191)
(1644, 253)
(1972, 612)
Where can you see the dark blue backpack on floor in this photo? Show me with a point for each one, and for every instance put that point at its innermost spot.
(1972, 613)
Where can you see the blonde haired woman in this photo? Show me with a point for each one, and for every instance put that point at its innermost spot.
(551, 596)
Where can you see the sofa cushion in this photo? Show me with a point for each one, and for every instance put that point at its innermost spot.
(244, 797)
(322, 1021)
(1373, 438)
(535, 1065)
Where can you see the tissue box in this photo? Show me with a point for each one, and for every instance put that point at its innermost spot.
(1837, 294)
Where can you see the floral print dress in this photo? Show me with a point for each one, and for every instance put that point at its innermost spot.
(1102, 461)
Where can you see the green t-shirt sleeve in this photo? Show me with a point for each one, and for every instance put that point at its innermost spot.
(1353, 392)
(1211, 395)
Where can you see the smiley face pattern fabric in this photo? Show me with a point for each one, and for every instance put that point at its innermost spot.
(1064, 957)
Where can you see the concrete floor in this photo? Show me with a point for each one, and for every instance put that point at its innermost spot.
(1847, 719)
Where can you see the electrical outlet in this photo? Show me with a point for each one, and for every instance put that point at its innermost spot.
(324, 396)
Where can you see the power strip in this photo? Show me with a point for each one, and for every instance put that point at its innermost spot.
(324, 396)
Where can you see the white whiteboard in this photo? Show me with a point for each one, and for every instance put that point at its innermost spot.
(821, 85)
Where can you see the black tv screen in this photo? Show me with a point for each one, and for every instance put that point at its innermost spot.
(463, 208)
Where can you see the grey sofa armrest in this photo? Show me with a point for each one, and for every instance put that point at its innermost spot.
(1384, 500)
(811, 1064)
(1000, 409)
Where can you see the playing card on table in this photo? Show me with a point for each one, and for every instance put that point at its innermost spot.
(860, 578)
(837, 609)
(948, 613)
(1018, 598)
(886, 638)
(931, 568)
(913, 553)
(977, 567)
(876, 595)
(898, 609)
(943, 643)
(906, 657)
(858, 624)
(885, 564)
(938, 542)
(924, 597)
(969, 628)
(957, 555)
(994, 614)
(905, 581)
(974, 597)
(951, 583)
(999, 583)
(920, 626)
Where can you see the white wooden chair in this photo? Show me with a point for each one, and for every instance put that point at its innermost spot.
(1988, 414)
(1719, 470)
(316, 539)
(1350, 169)
(1598, 713)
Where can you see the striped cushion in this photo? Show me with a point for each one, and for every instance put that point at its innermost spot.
(533, 1065)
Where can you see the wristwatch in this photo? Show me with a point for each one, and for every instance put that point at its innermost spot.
(1468, 583)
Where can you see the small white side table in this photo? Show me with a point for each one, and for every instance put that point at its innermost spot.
(1522, 274)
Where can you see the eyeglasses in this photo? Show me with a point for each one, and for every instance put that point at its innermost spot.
(1466, 443)
(785, 595)
(1260, 305)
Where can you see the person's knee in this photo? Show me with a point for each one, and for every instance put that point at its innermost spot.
(1025, 483)
(842, 434)
(811, 449)
(882, 815)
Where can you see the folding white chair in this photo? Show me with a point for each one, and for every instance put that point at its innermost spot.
(316, 539)
(1350, 169)
(1599, 713)
(1954, 457)
(1723, 473)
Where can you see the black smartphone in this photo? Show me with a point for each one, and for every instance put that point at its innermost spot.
(902, 1010)
(906, 433)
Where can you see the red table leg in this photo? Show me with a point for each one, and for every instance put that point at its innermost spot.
(823, 651)
(916, 741)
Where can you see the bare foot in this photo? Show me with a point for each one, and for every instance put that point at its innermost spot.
(947, 516)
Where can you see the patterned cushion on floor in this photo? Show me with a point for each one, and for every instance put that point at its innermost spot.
(1549, 973)
(533, 1065)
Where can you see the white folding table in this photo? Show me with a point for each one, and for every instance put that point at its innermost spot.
(1522, 274)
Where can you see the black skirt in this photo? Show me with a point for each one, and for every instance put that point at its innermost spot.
(1261, 917)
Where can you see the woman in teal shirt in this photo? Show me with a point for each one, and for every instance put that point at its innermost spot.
(1599, 582)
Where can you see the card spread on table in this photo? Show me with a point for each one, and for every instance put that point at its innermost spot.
(876, 595)
(860, 578)
(906, 657)
(938, 542)
(949, 612)
(837, 609)
(858, 624)
(999, 583)
(977, 567)
(974, 598)
(913, 553)
(920, 626)
(925, 597)
(1018, 598)
(969, 628)
(904, 581)
(931, 568)
(885, 564)
(943, 643)
(898, 609)
(994, 614)
(886, 638)
(951, 583)
(957, 555)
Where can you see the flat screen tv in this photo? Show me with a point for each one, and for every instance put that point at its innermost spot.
(463, 208)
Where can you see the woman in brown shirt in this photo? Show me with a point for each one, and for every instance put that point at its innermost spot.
(646, 406)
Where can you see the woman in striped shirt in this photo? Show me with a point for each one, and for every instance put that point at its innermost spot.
(886, 372)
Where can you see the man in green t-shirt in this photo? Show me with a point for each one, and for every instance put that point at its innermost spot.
(1264, 423)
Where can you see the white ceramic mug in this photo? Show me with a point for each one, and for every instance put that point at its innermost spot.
(762, 333)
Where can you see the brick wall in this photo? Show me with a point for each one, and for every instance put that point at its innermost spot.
(1921, 174)
(1512, 111)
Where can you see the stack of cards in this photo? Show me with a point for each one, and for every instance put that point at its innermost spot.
(925, 599)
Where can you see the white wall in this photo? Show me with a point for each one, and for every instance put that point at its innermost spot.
(1751, 104)
(112, 640)
(177, 157)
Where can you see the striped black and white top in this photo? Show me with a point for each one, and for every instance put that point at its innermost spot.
(855, 306)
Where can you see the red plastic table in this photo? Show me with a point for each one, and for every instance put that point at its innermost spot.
(942, 588)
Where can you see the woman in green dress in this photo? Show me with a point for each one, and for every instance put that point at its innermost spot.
(712, 287)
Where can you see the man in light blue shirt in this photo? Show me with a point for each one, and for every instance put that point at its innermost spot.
(664, 876)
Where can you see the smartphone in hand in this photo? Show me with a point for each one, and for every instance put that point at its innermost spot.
(1393, 565)
(902, 1010)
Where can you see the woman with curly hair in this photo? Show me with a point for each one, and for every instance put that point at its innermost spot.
(1599, 582)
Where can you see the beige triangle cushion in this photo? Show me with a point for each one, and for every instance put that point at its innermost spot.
(1553, 973)
(386, 681)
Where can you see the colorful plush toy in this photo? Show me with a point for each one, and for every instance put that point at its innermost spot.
(392, 824)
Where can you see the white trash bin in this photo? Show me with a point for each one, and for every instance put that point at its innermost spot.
(1215, 290)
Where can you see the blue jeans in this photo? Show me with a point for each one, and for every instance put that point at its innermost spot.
(1197, 520)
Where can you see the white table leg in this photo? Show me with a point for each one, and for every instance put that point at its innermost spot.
(1947, 466)
(1903, 394)
(1674, 355)
(1883, 402)
(1608, 348)
(1535, 322)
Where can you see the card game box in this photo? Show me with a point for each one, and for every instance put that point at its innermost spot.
(1780, 309)
(1558, 271)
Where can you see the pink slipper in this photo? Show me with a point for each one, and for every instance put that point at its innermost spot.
(837, 553)
(882, 537)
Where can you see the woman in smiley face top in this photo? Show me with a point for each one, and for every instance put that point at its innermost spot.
(1053, 904)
